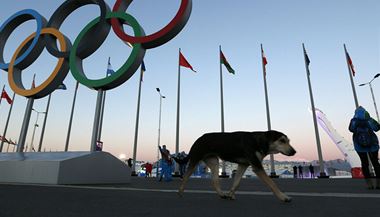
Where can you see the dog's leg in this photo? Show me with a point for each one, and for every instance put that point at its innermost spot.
(190, 170)
(239, 173)
(269, 182)
(213, 164)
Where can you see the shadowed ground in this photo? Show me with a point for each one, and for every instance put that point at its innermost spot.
(147, 197)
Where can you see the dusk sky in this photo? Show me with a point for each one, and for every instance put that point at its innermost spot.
(239, 27)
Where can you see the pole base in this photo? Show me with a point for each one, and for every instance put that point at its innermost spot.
(273, 175)
(56, 168)
(176, 175)
(224, 175)
(323, 176)
(133, 173)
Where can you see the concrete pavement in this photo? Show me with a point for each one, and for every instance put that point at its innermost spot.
(147, 197)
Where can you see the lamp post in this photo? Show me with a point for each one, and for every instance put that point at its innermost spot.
(159, 130)
(34, 129)
(373, 96)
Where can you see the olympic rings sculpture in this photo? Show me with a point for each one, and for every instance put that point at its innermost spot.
(70, 56)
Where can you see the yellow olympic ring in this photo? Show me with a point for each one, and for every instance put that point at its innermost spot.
(55, 79)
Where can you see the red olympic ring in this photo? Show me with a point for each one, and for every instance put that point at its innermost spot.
(158, 38)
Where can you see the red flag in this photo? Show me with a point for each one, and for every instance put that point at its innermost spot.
(265, 62)
(183, 62)
(5, 95)
(34, 82)
(264, 59)
(11, 142)
(350, 64)
(2, 138)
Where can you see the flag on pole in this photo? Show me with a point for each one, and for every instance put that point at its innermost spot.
(350, 64)
(264, 59)
(183, 62)
(2, 138)
(142, 70)
(306, 57)
(11, 142)
(34, 81)
(5, 95)
(110, 71)
(62, 87)
(224, 61)
(128, 44)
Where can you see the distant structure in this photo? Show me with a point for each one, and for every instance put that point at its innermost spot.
(347, 148)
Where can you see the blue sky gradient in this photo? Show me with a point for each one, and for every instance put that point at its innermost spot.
(239, 27)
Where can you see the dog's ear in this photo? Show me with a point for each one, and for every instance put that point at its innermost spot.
(274, 135)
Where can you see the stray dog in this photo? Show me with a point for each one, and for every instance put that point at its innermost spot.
(243, 148)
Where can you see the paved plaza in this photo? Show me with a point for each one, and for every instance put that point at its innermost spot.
(147, 197)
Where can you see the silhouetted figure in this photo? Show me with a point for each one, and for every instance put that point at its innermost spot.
(148, 169)
(300, 171)
(181, 159)
(295, 172)
(166, 164)
(129, 162)
(366, 143)
(311, 169)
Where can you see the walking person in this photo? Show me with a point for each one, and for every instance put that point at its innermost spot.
(148, 169)
(366, 144)
(311, 169)
(295, 171)
(166, 164)
(129, 162)
(300, 171)
(182, 160)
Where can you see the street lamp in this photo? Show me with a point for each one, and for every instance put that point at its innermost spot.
(373, 96)
(34, 129)
(159, 130)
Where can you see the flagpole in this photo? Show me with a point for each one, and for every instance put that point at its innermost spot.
(137, 126)
(44, 124)
(99, 136)
(176, 171)
(103, 101)
(224, 174)
(322, 173)
(272, 169)
(6, 124)
(351, 78)
(101, 116)
(71, 117)
(95, 128)
(25, 124)
(355, 96)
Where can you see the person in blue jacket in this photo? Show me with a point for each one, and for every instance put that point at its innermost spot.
(366, 143)
(166, 164)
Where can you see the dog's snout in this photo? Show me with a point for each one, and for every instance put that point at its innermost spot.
(292, 152)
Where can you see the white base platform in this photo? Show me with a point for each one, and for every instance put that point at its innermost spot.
(63, 168)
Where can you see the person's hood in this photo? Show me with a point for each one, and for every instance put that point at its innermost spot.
(361, 113)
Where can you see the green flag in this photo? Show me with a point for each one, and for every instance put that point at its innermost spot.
(224, 61)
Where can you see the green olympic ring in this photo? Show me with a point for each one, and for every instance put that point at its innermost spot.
(124, 72)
